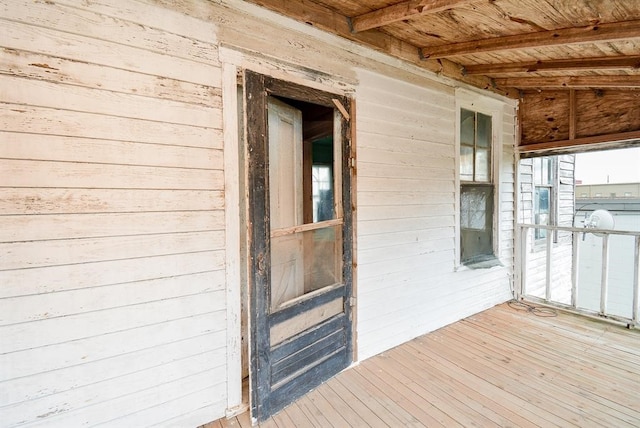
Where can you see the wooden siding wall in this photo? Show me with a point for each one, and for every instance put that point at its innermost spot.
(112, 296)
(507, 170)
(407, 283)
(112, 222)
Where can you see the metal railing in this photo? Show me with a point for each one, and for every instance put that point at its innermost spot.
(563, 269)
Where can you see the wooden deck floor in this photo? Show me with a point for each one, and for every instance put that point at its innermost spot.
(502, 367)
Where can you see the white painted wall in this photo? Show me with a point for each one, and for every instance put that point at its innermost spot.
(112, 222)
(118, 298)
(409, 278)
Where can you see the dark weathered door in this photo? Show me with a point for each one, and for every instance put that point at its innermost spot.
(298, 151)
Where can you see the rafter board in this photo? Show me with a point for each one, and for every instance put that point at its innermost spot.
(597, 63)
(403, 10)
(570, 82)
(566, 36)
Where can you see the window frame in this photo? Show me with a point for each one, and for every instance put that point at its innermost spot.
(554, 193)
(551, 186)
(469, 100)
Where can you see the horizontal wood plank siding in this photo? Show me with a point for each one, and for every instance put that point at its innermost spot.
(406, 157)
(113, 293)
(112, 222)
(507, 187)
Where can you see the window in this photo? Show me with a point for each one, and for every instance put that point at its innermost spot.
(543, 179)
(476, 187)
(475, 147)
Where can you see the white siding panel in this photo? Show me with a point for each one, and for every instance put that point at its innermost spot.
(73, 327)
(26, 173)
(68, 378)
(43, 94)
(63, 70)
(158, 384)
(22, 37)
(68, 226)
(407, 283)
(71, 149)
(112, 203)
(110, 28)
(40, 120)
(54, 305)
(69, 277)
(22, 255)
(387, 212)
(400, 197)
(189, 394)
(107, 346)
(34, 200)
(112, 223)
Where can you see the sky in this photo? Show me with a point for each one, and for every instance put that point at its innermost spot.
(610, 166)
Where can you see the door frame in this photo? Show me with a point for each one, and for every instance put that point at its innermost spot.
(257, 88)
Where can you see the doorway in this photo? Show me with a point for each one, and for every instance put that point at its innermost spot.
(300, 239)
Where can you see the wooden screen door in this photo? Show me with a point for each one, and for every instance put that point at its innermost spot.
(300, 239)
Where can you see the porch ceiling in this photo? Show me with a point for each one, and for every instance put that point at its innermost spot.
(518, 48)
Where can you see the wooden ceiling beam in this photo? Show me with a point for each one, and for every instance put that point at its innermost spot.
(401, 11)
(566, 36)
(630, 81)
(618, 140)
(599, 63)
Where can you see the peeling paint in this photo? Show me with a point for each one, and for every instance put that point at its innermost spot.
(47, 66)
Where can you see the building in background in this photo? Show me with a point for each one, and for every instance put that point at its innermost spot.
(609, 191)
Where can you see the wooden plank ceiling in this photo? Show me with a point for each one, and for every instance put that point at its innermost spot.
(574, 64)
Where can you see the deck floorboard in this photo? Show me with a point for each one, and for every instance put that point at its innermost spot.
(502, 367)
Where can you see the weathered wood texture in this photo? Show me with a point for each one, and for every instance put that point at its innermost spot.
(484, 33)
(112, 203)
(497, 368)
(112, 281)
(326, 18)
(546, 115)
(406, 215)
(506, 46)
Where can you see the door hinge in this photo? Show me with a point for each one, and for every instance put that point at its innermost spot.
(352, 301)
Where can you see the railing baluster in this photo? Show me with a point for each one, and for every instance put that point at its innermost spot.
(575, 255)
(604, 281)
(517, 264)
(547, 293)
(636, 282)
(524, 235)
